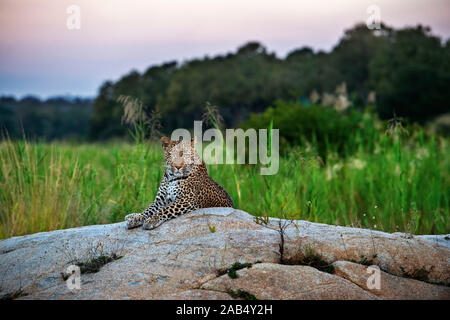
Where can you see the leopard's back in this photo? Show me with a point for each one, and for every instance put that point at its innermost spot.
(204, 191)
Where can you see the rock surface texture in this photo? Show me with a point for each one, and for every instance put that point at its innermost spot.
(188, 258)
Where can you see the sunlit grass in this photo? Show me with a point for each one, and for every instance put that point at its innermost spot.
(401, 186)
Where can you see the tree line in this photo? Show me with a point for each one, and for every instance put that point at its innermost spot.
(401, 72)
(56, 118)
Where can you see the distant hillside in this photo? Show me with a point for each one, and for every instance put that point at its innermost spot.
(54, 118)
(408, 69)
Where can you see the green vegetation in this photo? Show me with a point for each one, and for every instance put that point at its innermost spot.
(307, 256)
(242, 294)
(387, 179)
(340, 162)
(235, 267)
(53, 119)
(404, 72)
(94, 265)
(329, 130)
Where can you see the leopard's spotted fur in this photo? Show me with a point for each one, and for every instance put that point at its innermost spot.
(185, 187)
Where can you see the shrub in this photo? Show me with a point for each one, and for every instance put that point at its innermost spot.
(324, 127)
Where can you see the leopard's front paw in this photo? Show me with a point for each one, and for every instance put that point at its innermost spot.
(135, 220)
(152, 223)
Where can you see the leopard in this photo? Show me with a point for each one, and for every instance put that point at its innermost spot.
(185, 187)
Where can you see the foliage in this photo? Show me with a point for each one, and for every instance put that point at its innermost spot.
(405, 72)
(402, 185)
(322, 127)
(408, 69)
(148, 87)
(307, 256)
(235, 267)
(411, 74)
(55, 118)
(143, 125)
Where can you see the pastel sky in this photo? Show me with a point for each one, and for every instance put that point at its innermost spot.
(39, 55)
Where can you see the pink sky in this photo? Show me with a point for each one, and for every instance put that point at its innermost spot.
(40, 56)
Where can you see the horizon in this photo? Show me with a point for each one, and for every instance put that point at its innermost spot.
(52, 61)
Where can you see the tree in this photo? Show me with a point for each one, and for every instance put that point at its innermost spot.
(352, 55)
(411, 75)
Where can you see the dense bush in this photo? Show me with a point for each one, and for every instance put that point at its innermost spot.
(324, 127)
(411, 75)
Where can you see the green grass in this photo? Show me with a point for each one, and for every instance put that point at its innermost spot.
(400, 186)
(235, 267)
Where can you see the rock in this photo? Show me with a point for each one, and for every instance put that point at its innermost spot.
(197, 294)
(183, 254)
(391, 287)
(443, 240)
(268, 281)
(393, 253)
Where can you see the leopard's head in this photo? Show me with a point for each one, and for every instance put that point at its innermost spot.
(180, 156)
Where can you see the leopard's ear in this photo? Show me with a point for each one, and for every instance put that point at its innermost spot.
(166, 142)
